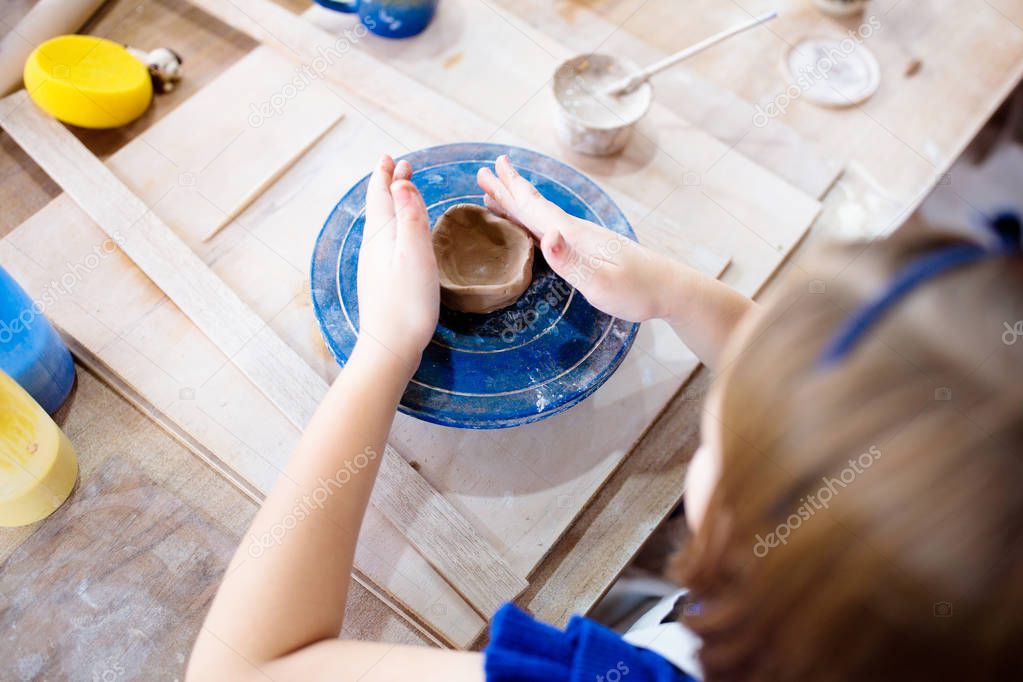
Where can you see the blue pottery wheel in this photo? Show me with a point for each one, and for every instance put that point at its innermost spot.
(529, 361)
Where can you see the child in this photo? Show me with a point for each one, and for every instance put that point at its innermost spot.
(856, 503)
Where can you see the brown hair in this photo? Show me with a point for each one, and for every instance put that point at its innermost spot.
(868, 521)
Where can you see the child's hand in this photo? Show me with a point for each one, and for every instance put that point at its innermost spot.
(614, 273)
(399, 287)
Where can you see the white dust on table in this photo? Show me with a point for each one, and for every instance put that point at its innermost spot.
(29, 667)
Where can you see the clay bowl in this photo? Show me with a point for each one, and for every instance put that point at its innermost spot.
(485, 261)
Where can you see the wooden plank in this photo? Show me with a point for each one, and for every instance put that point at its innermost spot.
(608, 533)
(144, 540)
(397, 91)
(334, 57)
(468, 562)
(68, 264)
(126, 390)
(719, 111)
(140, 334)
(444, 539)
(670, 165)
(972, 58)
(208, 48)
(519, 496)
(571, 482)
(165, 259)
(138, 535)
(255, 123)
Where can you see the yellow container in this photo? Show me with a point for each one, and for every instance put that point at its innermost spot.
(88, 81)
(38, 468)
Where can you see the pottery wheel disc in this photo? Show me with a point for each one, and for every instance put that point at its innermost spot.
(538, 357)
(832, 72)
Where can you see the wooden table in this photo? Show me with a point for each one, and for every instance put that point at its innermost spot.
(166, 525)
(900, 143)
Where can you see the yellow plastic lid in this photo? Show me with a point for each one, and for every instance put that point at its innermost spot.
(87, 81)
(38, 468)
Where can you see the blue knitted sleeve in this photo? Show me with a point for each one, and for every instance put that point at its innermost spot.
(523, 650)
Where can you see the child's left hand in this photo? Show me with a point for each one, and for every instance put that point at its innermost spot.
(398, 281)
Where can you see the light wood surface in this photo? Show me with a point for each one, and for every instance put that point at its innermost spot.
(706, 103)
(434, 528)
(637, 495)
(431, 524)
(140, 334)
(634, 80)
(120, 578)
(208, 47)
(533, 522)
(247, 129)
(673, 169)
(333, 57)
(524, 526)
(152, 356)
(904, 139)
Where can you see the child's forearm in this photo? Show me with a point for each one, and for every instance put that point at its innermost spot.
(286, 586)
(702, 310)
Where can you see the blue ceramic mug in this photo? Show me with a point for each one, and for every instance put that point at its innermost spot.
(388, 18)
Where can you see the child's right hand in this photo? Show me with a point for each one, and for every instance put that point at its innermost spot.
(614, 273)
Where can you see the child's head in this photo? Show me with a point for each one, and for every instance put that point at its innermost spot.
(867, 519)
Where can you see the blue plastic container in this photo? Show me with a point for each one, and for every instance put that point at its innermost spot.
(31, 351)
(388, 18)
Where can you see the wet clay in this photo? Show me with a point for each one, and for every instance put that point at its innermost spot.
(485, 261)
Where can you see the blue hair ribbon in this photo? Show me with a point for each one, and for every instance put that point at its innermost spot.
(923, 269)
